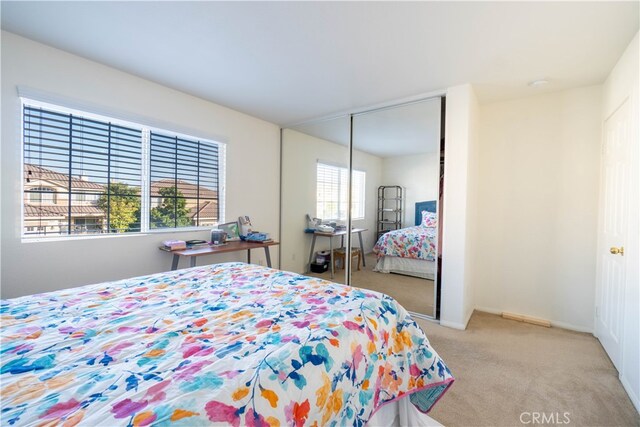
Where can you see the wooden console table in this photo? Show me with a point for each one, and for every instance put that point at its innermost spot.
(341, 233)
(192, 254)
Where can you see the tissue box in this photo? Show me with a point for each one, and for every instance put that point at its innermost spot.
(323, 257)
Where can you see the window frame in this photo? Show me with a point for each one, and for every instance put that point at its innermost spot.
(145, 184)
(220, 180)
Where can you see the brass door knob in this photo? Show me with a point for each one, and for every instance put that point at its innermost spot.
(616, 251)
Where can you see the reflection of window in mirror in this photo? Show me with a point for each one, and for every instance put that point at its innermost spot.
(332, 194)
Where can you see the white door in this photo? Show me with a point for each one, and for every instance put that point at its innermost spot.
(614, 220)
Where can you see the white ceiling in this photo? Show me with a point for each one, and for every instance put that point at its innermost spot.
(287, 62)
(391, 132)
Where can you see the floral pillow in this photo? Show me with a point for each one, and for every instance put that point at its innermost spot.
(429, 219)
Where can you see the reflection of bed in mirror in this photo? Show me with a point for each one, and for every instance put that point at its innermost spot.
(410, 251)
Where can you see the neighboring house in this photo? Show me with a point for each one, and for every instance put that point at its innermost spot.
(202, 204)
(46, 202)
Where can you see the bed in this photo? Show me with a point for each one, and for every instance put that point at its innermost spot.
(231, 343)
(410, 251)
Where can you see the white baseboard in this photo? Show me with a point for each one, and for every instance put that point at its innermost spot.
(571, 327)
(554, 323)
(629, 390)
(489, 310)
(454, 325)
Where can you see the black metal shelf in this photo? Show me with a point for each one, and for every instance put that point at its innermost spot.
(390, 201)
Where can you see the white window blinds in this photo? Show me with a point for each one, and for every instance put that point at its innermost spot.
(89, 174)
(332, 197)
(184, 176)
(70, 158)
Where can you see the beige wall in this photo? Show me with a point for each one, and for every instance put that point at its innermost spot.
(537, 205)
(417, 175)
(252, 179)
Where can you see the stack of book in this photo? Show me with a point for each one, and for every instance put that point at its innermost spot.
(197, 244)
(174, 245)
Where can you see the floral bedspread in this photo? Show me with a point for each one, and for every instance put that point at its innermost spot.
(417, 242)
(229, 343)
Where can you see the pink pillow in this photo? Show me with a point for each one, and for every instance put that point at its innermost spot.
(429, 219)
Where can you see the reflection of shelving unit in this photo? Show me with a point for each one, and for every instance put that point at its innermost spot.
(389, 208)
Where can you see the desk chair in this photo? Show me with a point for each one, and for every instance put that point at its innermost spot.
(340, 255)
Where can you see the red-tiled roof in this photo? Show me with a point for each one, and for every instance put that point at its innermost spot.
(60, 179)
(39, 211)
(61, 211)
(188, 190)
(208, 210)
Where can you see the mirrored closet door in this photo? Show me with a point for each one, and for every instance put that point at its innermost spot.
(378, 175)
(394, 203)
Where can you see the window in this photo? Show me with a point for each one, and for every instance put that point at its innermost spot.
(87, 224)
(86, 198)
(184, 182)
(88, 174)
(42, 195)
(332, 193)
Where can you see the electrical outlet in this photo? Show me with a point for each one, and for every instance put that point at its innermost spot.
(261, 262)
(293, 257)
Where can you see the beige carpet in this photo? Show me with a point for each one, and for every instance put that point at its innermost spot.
(504, 368)
(412, 293)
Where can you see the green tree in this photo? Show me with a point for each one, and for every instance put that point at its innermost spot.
(123, 204)
(172, 211)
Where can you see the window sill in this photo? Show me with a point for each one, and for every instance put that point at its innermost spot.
(113, 236)
(177, 230)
